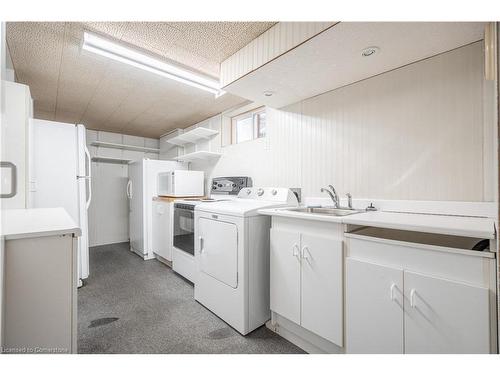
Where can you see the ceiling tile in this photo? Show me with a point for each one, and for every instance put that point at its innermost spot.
(36, 49)
(68, 84)
(157, 35)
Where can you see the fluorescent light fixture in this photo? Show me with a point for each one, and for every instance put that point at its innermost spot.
(115, 51)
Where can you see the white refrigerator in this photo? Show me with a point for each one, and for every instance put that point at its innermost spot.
(142, 186)
(60, 177)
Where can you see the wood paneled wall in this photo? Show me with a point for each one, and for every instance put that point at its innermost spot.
(279, 39)
(414, 133)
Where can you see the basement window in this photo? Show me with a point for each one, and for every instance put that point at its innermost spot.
(248, 126)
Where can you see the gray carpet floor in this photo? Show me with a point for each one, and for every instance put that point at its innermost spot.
(133, 306)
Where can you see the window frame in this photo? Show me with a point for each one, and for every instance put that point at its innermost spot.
(256, 123)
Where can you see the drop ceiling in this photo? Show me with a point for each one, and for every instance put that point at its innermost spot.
(70, 85)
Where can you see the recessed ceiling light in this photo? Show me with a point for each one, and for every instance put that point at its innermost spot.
(369, 51)
(268, 93)
(119, 52)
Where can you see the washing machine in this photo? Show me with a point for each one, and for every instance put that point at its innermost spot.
(232, 256)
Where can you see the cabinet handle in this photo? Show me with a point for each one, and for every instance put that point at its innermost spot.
(305, 251)
(295, 250)
(412, 298)
(392, 291)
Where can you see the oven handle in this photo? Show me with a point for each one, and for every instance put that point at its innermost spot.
(184, 210)
(201, 244)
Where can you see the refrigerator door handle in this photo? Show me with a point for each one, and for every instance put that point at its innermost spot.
(129, 190)
(89, 179)
(13, 179)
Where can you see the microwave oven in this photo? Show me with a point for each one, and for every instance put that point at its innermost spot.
(181, 184)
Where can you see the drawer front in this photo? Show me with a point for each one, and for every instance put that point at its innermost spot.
(469, 269)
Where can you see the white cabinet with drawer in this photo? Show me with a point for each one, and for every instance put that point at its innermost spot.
(409, 297)
(307, 280)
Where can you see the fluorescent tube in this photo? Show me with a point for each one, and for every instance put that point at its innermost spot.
(115, 51)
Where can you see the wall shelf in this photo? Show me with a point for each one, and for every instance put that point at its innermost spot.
(198, 155)
(120, 146)
(102, 159)
(193, 136)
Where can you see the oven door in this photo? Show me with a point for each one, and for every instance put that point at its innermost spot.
(184, 229)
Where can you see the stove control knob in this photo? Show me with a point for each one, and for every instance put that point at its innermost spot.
(274, 192)
(260, 192)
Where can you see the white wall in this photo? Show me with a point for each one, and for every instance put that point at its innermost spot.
(108, 212)
(3, 51)
(415, 133)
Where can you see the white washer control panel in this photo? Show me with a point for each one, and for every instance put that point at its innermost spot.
(282, 195)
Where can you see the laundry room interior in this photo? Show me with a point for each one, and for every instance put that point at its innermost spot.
(250, 187)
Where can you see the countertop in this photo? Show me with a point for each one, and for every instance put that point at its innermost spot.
(478, 227)
(37, 222)
(173, 199)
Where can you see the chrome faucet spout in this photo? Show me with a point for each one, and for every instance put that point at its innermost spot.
(333, 195)
(334, 192)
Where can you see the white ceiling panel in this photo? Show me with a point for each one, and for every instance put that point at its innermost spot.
(71, 85)
(333, 58)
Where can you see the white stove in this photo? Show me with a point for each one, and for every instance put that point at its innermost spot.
(232, 256)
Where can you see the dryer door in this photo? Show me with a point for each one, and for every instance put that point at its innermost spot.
(218, 250)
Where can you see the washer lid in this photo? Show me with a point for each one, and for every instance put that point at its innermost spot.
(237, 207)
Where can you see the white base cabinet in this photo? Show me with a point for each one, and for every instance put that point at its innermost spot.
(412, 298)
(40, 302)
(307, 280)
(162, 240)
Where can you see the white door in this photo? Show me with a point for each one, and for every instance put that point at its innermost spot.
(374, 308)
(218, 254)
(136, 206)
(285, 274)
(443, 316)
(322, 285)
(161, 229)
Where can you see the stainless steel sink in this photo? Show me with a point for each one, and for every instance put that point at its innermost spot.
(326, 211)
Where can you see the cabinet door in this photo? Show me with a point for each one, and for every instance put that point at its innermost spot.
(374, 308)
(285, 274)
(161, 230)
(322, 287)
(443, 316)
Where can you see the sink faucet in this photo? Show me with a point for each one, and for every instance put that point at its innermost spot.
(332, 194)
